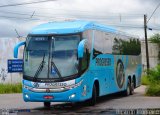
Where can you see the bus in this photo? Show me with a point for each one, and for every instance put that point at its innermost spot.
(76, 61)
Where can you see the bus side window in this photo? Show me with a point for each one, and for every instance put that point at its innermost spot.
(128, 46)
(85, 60)
(87, 53)
(98, 43)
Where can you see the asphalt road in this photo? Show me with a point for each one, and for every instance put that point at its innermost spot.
(110, 104)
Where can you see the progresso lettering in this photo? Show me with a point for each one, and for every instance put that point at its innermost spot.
(55, 84)
(103, 61)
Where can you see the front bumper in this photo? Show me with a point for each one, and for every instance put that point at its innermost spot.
(72, 95)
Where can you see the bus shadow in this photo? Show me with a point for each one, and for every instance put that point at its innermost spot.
(109, 97)
(81, 107)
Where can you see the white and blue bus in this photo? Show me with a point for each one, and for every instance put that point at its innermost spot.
(74, 61)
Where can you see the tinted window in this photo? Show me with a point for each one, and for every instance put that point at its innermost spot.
(86, 59)
(130, 46)
(102, 43)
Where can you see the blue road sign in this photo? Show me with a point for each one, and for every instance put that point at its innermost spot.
(15, 65)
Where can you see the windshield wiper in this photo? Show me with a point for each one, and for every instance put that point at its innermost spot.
(59, 74)
(39, 68)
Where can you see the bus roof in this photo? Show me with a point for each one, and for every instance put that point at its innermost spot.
(68, 27)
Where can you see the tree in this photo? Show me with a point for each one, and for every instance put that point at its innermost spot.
(155, 38)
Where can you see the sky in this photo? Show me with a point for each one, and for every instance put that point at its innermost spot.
(124, 15)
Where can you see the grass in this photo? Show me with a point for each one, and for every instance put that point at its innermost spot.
(144, 80)
(10, 88)
(153, 90)
(152, 80)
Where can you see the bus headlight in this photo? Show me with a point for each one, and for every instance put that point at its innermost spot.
(26, 96)
(72, 96)
(26, 87)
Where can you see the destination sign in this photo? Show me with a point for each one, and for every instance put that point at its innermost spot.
(15, 65)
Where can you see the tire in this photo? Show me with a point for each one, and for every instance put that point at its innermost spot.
(93, 100)
(132, 87)
(127, 92)
(47, 104)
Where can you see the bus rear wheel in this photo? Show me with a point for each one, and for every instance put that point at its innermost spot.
(47, 104)
(128, 90)
(132, 87)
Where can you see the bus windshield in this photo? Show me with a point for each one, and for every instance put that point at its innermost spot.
(51, 57)
(64, 55)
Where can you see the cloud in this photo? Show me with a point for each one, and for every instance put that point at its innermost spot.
(117, 12)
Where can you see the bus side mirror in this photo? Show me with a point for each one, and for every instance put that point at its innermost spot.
(17, 47)
(81, 48)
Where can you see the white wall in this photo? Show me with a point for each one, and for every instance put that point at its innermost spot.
(6, 52)
(153, 50)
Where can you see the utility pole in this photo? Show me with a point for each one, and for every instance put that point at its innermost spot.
(146, 41)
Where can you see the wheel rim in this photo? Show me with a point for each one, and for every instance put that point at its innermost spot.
(132, 87)
(128, 89)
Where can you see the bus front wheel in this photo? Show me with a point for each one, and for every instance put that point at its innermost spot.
(93, 100)
(47, 104)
